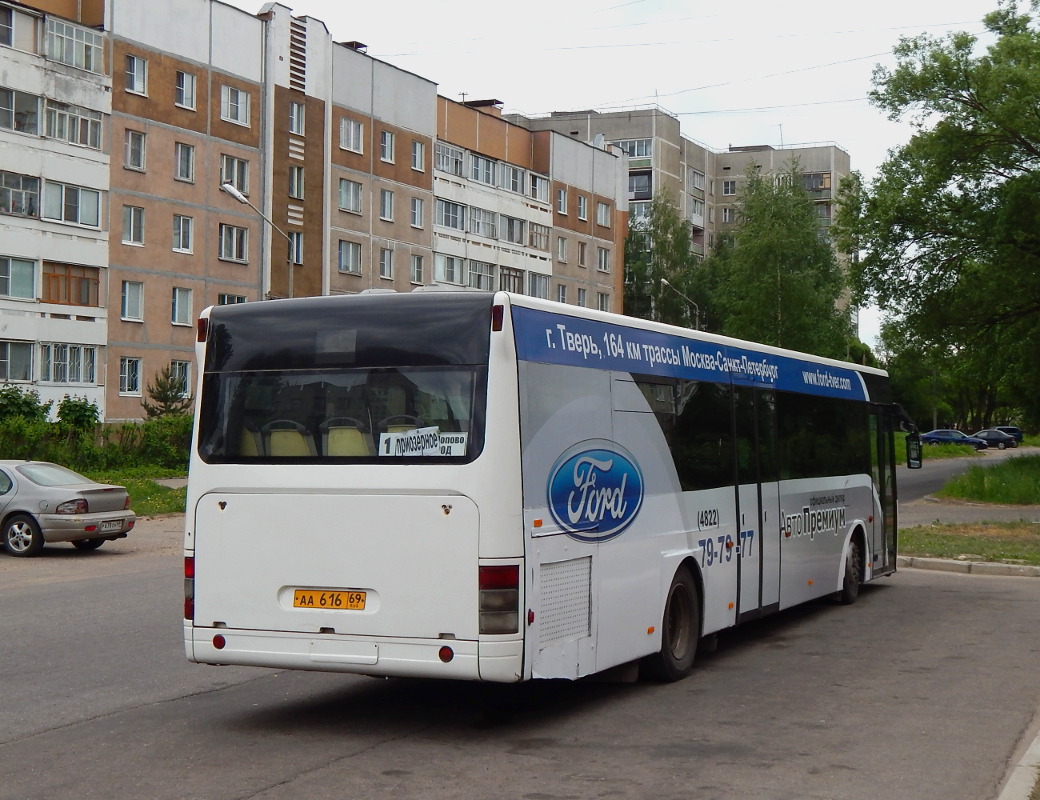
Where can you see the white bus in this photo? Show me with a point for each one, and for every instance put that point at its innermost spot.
(493, 487)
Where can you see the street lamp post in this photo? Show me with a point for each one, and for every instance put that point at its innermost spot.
(696, 308)
(229, 188)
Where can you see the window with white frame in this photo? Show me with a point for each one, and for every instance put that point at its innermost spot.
(180, 371)
(134, 150)
(696, 207)
(538, 285)
(729, 214)
(386, 146)
(513, 178)
(133, 225)
(386, 205)
(583, 207)
(184, 90)
(637, 148)
(296, 247)
(68, 363)
(729, 188)
(235, 171)
(448, 158)
(638, 210)
(561, 293)
(481, 275)
(694, 178)
(482, 169)
(180, 312)
(296, 182)
(233, 243)
(603, 214)
(386, 263)
(447, 269)
(230, 299)
(136, 75)
(234, 105)
(296, 117)
(129, 375)
(418, 211)
(6, 26)
(418, 155)
(72, 204)
(73, 124)
(349, 196)
(451, 215)
(17, 278)
(582, 298)
(513, 229)
(603, 259)
(182, 233)
(19, 111)
(561, 201)
(483, 222)
(349, 257)
(417, 269)
(75, 46)
(539, 188)
(603, 301)
(184, 162)
(15, 361)
(561, 249)
(539, 236)
(351, 134)
(19, 194)
(131, 304)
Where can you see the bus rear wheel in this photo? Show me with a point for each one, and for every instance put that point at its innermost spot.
(680, 631)
(853, 570)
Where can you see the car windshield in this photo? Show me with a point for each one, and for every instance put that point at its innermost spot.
(51, 475)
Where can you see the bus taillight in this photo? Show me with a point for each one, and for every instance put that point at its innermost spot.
(189, 587)
(500, 599)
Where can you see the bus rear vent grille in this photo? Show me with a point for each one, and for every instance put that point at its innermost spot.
(565, 607)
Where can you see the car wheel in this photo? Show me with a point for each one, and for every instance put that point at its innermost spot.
(88, 544)
(22, 536)
(1001, 445)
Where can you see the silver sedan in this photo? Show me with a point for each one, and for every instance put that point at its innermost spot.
(42, 502)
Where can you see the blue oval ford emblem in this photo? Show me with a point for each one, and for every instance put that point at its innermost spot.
(595, 494)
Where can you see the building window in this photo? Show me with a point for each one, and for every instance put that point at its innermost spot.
(296, 182)
(582, 298)
(451, 215)
(184, 90)
(296, 118)
(603, 214)
(513, 178)
(73, 124)
(729, 188)
(583, 207)
(72, 204)
(511, 280)
(483, 222)
(539, 188)
(482, 169)
(350, 135)
(447, 269)
(694, 179)
(180, 371)
(603, 259)
(448, 158)
(481, 275)
(561, 249)
(182, 230)
(386, 146)
(130, 376)
(17, 278)
(133, 150)
(637, 148)
(70, 284)
(230, 299)
(418, 212)
(19, 194)
(77, 47)
(561, 293)
(235, 171)
(386, 263)
(602, 301)
(350, 257)
(15, 361)
(233, 242)
(729, 214)
(539, 238)
(136, 75)
(417, 269)
(512, 229)
(181, 306)
(133, 225)
(19, 111)
(68, 363)
(350, 196)
(131, 305)
(561, 201)
(6, 26)
(296, 247)
(184, 162)
(538, 285)
(418, 155)
(234, 105)
(386, 205)
(582, 248)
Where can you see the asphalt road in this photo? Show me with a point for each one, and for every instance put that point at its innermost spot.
(922, 690)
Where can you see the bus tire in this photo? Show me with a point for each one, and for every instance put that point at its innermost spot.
(853, 570)
(680, 630)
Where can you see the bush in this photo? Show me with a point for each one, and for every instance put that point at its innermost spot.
(16, 403)
(78, 413)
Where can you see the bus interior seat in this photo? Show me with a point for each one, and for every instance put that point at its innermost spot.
(286, 438)
(251, 444)
(400, 422)
(344, 436)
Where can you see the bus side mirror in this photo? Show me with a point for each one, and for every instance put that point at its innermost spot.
(913, 451)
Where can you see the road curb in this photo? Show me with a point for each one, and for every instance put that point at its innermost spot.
(968, 567)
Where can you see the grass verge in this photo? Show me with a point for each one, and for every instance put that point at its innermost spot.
(147, 498)
(1005, 542)
(1015, 481)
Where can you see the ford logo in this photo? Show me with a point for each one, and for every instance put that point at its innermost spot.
(595, 494)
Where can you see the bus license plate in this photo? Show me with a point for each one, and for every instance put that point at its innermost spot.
(333, 601)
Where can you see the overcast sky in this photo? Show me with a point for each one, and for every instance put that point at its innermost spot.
(750, 72)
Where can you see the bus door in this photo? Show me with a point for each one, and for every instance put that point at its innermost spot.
(883, 552)
(758, 501)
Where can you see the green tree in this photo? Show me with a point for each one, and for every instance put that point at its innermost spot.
(774, 278)
(168, 394)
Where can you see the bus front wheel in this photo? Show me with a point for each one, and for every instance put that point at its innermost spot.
(680, 631)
